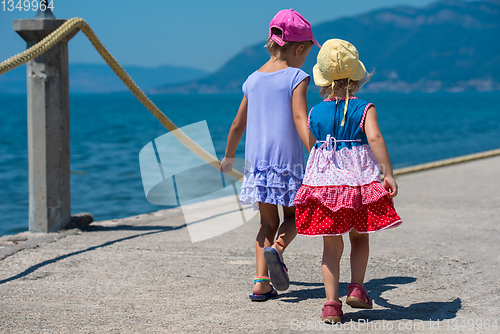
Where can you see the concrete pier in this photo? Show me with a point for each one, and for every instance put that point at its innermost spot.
(437, 273)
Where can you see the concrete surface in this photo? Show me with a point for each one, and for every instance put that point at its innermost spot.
(436, 273)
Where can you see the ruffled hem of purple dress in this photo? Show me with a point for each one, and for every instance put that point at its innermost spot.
(272, 185)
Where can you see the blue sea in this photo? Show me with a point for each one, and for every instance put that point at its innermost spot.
(109, 131)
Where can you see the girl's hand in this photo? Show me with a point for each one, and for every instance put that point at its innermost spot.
(391, 185)
(227, 164)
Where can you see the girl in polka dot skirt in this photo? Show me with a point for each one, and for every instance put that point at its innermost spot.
(342, 190)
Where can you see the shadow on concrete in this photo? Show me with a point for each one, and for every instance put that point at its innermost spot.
(427, 311)
(312, 293)
(157, 229)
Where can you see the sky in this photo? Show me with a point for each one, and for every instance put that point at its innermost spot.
(195, 33)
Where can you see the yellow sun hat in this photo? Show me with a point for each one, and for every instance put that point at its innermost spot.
(337, 59)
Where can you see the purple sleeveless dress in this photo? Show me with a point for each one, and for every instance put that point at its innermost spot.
(273, 147)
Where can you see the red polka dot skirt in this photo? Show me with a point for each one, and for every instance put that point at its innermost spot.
(315, 219)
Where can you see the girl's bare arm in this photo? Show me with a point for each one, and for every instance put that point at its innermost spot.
(379, 149)
(312, 140)
(237, 129)
(299, 106)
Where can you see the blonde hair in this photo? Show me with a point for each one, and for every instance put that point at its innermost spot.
(274, 48)
(342, 85)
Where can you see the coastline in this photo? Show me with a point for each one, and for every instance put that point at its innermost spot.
(108, 184)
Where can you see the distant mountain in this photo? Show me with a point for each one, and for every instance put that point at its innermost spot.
(92, 78)
(446, 46)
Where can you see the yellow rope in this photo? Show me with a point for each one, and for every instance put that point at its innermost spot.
(77, 23)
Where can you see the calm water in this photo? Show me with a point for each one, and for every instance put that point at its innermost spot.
(108, 132)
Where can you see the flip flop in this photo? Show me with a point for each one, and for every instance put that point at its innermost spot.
(277, 269)
(266, 296)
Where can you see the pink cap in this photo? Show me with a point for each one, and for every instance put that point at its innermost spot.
(294, 26)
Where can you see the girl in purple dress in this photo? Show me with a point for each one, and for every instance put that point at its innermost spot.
(274, 113)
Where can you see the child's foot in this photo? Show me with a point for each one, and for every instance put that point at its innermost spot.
(262, 290)
(277, 269)
(358, 297)
(280, 248)
(332, 312)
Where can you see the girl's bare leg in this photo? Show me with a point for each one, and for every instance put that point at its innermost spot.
(287, 230)
(269, 222)
(360, 250)
(332, 252)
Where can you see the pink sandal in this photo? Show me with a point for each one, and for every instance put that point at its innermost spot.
(358, 297)
(332, 312)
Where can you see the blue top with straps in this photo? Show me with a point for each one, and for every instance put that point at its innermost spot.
(326, 117)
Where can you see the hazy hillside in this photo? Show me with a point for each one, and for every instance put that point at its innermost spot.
(449, 45)
(90, 78)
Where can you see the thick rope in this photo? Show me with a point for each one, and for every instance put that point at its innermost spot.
(77, 23)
